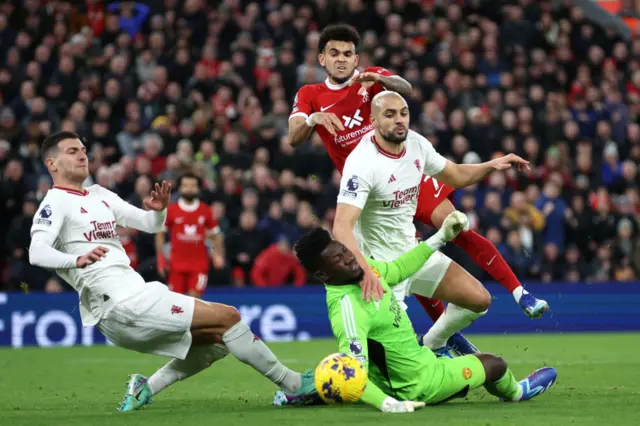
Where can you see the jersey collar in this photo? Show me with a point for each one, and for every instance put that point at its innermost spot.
(386, 153)
(188, 207)
(82, 193)
(332, 86)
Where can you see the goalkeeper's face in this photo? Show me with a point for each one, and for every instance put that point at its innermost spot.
(337, 265)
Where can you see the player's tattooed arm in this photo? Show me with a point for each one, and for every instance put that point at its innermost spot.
(397, 84)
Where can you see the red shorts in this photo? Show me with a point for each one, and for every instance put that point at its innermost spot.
(432, 193)
(184, 282)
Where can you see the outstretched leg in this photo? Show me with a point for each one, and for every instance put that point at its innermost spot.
(140, 389)
(499, 379)
(206, 349)
(243, 344)
(215, 330)
(460, 375)
(501, 382)
(487, 256)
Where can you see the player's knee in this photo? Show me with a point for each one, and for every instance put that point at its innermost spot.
(481, 302)
(500, 367)
(494, 367)
(230, 316)
(485, 300)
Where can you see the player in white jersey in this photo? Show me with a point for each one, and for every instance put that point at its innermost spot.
(74, 233)
(377, 202)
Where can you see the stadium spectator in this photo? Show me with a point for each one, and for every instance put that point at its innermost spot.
(515, 254)
(206, 87)
(131, 15)
(575, 267)
(245, 244)
(277, 265)
(519, 208)
(17, 238)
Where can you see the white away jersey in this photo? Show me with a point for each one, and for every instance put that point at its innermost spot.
(385, 186)
(74, 223)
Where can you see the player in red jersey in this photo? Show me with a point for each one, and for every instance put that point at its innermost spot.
(190, 224)
(339, 110)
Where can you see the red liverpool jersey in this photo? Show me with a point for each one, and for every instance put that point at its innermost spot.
(351, 104)
(189, 225)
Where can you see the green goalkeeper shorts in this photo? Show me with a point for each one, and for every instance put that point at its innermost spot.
(453, 378)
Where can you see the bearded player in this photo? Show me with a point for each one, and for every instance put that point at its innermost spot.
(339, 110)
(377, 203)
(190, 224)
(74, 233)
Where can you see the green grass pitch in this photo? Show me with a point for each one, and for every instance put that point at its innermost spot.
(597, 384)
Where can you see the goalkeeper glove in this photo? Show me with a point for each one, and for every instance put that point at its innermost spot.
(455, 223)
(391, 405)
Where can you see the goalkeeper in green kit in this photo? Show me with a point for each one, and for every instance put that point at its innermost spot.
(403, 375)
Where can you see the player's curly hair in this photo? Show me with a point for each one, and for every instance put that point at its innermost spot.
(338, 32)
(309, 247)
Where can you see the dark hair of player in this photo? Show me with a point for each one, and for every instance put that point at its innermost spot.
(338, 32)
(309, 247)
(50, 144)
(189, 176)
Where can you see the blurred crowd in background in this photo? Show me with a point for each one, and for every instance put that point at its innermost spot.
(162, 87)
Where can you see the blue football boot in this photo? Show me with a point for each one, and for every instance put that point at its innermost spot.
(533, 307)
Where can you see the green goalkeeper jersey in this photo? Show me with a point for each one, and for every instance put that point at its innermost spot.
(380, 334)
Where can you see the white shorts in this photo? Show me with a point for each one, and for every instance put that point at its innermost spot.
(155, 321)
(426, 280)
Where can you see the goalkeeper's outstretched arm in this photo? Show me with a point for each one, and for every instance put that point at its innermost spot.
(409, 263)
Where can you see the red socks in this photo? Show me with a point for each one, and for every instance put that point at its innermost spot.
(486, 255)
(433, 307)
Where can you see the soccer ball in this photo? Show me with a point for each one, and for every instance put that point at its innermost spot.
(340, 379)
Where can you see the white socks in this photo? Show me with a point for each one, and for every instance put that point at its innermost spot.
(454, 319)
(244, 345)
(198, 358)
(518, 292)
(248, 348)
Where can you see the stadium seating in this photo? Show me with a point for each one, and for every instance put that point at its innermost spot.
(206, 86)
